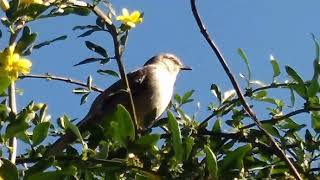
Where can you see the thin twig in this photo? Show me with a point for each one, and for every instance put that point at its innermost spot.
(59, 78)
(237, 88)
(276, 119)
(118, 56)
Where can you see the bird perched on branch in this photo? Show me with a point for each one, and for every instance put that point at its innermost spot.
(151, 87)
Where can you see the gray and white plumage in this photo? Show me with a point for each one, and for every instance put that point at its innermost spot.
(151, 87)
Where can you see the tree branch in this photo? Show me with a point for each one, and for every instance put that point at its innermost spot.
(280, 153)
(59, 78)
(118, 56)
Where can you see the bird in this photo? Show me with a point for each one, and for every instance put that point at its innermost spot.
(151, 86)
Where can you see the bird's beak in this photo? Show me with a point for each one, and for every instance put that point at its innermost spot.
(186, 68)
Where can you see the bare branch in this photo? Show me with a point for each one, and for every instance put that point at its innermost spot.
(59, 78)
(280, 153)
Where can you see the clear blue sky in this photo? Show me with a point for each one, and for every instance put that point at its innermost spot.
(261, 28)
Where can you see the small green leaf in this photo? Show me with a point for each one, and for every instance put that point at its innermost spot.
(294, 75)
(272, 130)
(212, 164)
(315, 121)
(234, 159)
(26, 40)
(108, 72)
(148, 140)
(290, 125)
(217, 126)
(175, 136)
(46, 43)
(188, 142)
(216, 91)
(4, 84)
(275, 67)
(89, 32)
(96, 48)
(16, 126)
(246, 61)
(81, 91)
(292, 97)
(72, 127)
(84, 98)
(89, 60)
(122, 127)
(8, 171)
(40, 132)
(84, 27)
(185, 98)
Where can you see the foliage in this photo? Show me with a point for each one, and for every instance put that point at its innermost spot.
(225, 145)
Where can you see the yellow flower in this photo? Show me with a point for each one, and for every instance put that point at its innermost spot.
(130, 20)
(28, 2)
(4, 5)
(12, 64)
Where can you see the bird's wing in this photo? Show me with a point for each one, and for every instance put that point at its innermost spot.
(105, 103)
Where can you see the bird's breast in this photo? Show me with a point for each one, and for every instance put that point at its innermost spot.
(163, 89)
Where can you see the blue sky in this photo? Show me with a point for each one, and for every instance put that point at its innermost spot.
(261, 28)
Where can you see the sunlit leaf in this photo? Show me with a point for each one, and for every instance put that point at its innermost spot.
(40, 132)
(175, 136)
(212, 164)
(275, 67)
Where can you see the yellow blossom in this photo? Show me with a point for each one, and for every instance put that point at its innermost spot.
(28, 2)
(4, 5)
(131, 20)
(12, 64)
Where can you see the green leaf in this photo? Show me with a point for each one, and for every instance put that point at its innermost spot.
(290, 125)
(69, 126)
(216, 91)
(4, 84)
(294, 75)
(88, 60)
(81, 91)
(275, 67)
(292, 97)
(175, 136)
(246, 61)
(188, 143)
(46, 43)
(300, 88)
(89, 32)
(217, 126)
(234, 159)
(8, 171)
(271, 129)
(315, 121)
(211, 162)
(122, 127)
(16, 126)
(185, 98)
(26, 40)
(40, 132)
(84, 98)
(314, 86)
(148, 140)
(108, 72)
(96, 48)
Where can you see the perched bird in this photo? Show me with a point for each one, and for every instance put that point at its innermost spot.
(151, 87)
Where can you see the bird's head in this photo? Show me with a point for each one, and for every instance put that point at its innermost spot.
(171, 62)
